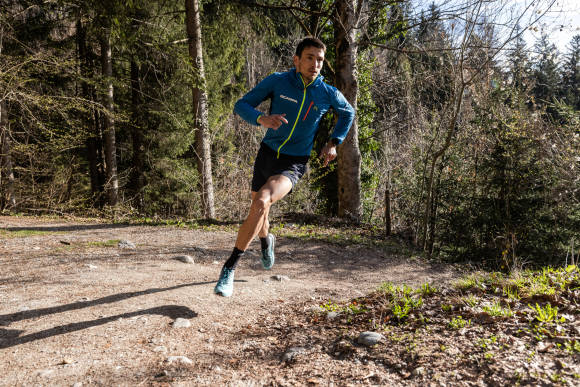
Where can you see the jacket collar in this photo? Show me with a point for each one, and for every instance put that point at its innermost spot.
(296, 79)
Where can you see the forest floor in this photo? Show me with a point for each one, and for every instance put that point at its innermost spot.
(79, 308)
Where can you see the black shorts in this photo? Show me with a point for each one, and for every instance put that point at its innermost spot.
(267, 165)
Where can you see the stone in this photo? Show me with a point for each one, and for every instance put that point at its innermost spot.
(160, 348)
(92, 267)
(544, 347)
(419, 371)
(124, 244)
(280, 278)
(291, 353)
(179, 359)
(184, 259)
(181, 323)
(45, 373)
(369, 338)
(332, 315)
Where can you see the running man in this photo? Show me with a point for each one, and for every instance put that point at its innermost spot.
(299, 99)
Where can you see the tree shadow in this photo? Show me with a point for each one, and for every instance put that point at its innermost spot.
(73, 227)
(7, 319)
(11, 337)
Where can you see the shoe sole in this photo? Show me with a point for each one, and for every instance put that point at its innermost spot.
(222, 293)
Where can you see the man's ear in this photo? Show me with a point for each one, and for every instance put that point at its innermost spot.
(296, 59)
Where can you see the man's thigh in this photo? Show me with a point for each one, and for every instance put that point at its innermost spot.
(276, 188)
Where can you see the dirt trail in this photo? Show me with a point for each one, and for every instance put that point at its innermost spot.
(75, 310)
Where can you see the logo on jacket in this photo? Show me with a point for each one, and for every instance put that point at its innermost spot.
(288, 98)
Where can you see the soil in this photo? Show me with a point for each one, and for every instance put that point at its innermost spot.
(75, 308)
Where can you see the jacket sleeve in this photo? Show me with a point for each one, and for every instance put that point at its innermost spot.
(246, 106)
(345, 116)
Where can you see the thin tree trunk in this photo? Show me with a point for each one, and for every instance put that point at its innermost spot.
(137, 178)
(91, 142)
(457, 102)
(433, 215)
(314, 19)
(5, 159)
(388, 215)
(112, 184)
(349, 158)
(200, 112)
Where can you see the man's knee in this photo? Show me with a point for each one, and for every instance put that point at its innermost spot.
(261, 203)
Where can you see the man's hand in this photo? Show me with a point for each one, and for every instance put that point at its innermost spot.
(328, 153)
(273, 121)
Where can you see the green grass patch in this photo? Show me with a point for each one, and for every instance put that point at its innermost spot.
(458, 323)
(401, 299)
(548, 281)
(109, 243)
(496, 310)
(24, 233)
(470, 300)
(546, 313)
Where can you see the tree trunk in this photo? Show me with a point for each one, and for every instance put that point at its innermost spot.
(388, 215)
(349, 158)
(112, 184)
(137, 176)
(451, 125)
(314, 20)
(200, 112)
(9, 198)
(95, 174)
(433, 215)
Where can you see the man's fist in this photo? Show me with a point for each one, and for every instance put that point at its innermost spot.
(328, 153)
(273, 121)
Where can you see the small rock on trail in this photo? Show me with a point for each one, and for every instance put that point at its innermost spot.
(185, 259)
(181, 323)
(290, 354)
(124, 244)
(179, 359)
(280, 278)
(369, 338)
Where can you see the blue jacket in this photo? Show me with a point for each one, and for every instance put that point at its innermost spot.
(304, 106)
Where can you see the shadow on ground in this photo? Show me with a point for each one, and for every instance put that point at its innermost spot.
(11, 337)
(7, 319)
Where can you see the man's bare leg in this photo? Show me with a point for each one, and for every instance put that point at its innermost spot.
(256, 223)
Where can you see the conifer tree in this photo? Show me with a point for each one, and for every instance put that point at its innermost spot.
(545, 72)
(518, 63)
(570, 89)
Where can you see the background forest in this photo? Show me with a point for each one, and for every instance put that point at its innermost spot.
(466, 141)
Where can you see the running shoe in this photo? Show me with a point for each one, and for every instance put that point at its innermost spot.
(225, 285)
(268, 253)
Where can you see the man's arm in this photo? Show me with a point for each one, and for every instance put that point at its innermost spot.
(343, 124)
(246, 106)
(345, 117)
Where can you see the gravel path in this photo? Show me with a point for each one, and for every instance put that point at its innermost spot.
(77, 309)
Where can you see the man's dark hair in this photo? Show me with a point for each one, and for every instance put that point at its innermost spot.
(309, 41)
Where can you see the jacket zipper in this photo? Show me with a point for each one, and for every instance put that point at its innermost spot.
(297, 116)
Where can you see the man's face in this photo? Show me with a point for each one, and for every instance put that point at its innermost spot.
(309, 63)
